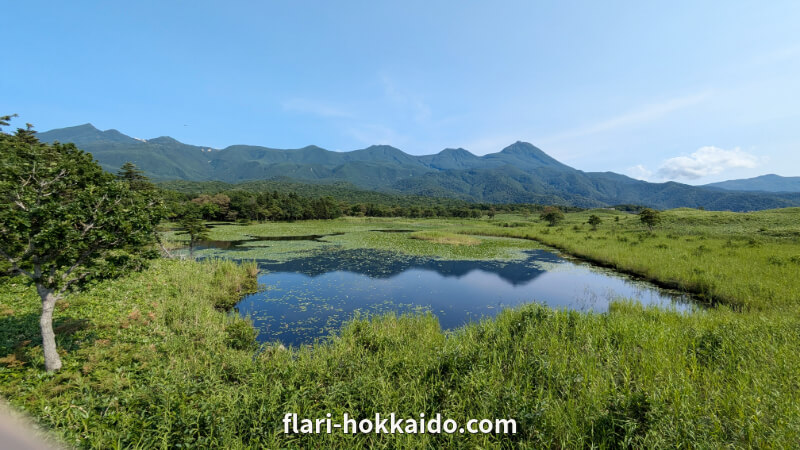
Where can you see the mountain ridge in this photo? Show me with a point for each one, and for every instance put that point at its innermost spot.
(519, 173)
(763, 183)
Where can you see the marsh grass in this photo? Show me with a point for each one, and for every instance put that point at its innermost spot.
(743, 260)
(160, 366)
(150, 361)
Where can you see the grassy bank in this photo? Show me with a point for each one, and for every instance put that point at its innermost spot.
(749, 261)
(122, 342)
(152, 360)
(156, 364)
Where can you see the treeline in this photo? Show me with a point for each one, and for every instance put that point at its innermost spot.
(263, 206)
(240, 205)
(288, 200)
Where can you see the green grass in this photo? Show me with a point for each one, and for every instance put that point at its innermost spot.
(749, 261)
(152, 361)
(645, 377)
(119, 340)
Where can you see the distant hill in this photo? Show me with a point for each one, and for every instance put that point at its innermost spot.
(764, 183)
(519, 173)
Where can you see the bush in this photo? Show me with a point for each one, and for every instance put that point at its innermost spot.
(650, 217)
(552, 215)
(241, 335)
(595, 220)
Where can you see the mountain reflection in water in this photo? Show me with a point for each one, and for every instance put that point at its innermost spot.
(309, 297)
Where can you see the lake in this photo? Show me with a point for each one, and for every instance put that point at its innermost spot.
(309, 297)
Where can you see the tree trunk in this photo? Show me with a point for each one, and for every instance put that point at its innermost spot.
(52, 361)
(164, 249)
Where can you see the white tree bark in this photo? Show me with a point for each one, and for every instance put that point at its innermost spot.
(52, 361)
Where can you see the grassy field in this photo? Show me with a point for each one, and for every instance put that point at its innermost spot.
(152, 360)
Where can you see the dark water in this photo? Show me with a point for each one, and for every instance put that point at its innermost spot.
(307, 298)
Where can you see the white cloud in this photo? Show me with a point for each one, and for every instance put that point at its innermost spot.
(644, 114)
(639, 172)
(706, 161)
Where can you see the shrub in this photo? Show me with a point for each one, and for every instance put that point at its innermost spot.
(241, 335)
(552, 215)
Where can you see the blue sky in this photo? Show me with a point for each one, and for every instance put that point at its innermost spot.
(690, 91)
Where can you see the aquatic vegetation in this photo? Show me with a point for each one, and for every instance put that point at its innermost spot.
(441, 237)
(355, 233)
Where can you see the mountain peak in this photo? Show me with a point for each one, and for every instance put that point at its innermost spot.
(383, 147)
(312, 147)
(522, 147)
(459, 152)
(86, 133)
(86, 126)
(164, 140)
(78, 129)
(451, 158)
(524, 155)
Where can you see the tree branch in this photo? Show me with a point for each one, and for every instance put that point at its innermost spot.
(80, 261)
(69, 283)
(14, 265)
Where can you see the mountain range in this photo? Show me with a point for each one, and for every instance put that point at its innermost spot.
(764, 183)
(519, 173)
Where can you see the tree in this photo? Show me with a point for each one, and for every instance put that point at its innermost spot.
(650, 217)
(191, 223)
(326, 208)
(217, 207)
(594, 221)
(491, 212)
(66, 222)
(552, 215)
(4, 120)
(135, 178)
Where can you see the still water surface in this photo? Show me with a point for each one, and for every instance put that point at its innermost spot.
(307, 298)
